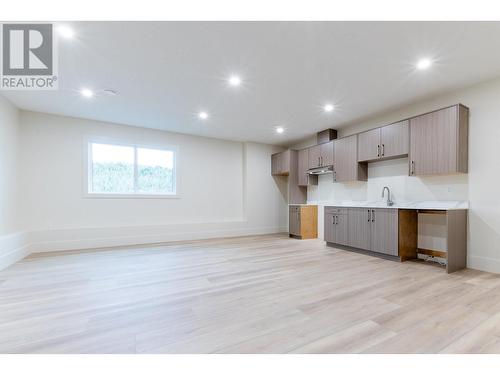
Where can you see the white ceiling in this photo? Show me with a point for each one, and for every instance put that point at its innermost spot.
(166, 72)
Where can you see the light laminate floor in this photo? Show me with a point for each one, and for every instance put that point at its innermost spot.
(263, 294)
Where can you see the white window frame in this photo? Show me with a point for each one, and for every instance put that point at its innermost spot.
(87, 178)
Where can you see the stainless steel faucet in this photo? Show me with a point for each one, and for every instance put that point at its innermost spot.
(389, 202)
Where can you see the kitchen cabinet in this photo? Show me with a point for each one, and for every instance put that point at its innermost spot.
(280, 163)
(327, 157)
(359, 228)
(321, 155)
(384, 231)
(369, 145)
(305, 179)
(372, 229)
(394, 139)
(346, 166)
(303, 221)
(294, 220)
(336, 226)
(383, 143)
(438, 142)
(314, 156)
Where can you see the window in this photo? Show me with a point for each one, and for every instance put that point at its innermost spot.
(122, 170)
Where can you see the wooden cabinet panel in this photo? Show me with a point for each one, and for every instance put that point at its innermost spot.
(326, 157)
(437, 143)
(294, 220)
(280, 163)
(359, 228)
(314, 156)
(341, 230)
(369, 145)
(336, 226)
(329, 225)
(384, 231)
(394, 140)
(275, 164)
(303, 166)
(346, 166)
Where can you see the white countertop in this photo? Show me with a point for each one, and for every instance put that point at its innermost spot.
(415, 205)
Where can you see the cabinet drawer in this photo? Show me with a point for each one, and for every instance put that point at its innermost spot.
(336, 210)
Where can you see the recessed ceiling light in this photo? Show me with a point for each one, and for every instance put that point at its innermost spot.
(203, 115)
(328, 107)
(234, 80)
(87, 93)
(423, 64)
(66, 32)
(280, 130)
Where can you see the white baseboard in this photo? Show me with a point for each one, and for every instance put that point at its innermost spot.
(483, 264)
(91, 238)
(13, 247)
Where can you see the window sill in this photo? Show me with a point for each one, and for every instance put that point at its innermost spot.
(130, 196)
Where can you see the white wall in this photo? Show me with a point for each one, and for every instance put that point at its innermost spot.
(12, 239)
(480, 187)
(225, 188)
(9, 142)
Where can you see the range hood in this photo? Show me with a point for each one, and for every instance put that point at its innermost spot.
(320, 170)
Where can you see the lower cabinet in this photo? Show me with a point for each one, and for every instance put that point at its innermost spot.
(303, 221)
(336, 226)
(294, 220)
(384, 231)
(362, 228)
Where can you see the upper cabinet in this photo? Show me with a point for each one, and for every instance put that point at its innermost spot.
(321, 155)
(346, 166)
(327, 156)
(383, 143)
(394, 140)
(280, 163)
(438, 142)
(304, 178)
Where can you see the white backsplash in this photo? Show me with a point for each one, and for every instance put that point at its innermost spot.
(394, 174)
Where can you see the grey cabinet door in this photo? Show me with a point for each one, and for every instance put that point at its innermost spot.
(294, 220)
(275, 169)
(329, 225)
(314, 156)
(394, 139)
(341, 230)
(384, 231)
(369, 145)
(326, 153)
(303, 166)
(359, 228)
(346, 159)
(433, 142)
(285, 162)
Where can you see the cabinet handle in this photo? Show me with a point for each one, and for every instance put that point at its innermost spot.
(319, 163)
(373, 216)
(336, 219)
(412, 168)
(322, 161)
(334, 175)
(378, 151)
(333, 220)
(368, 215)
(383, 149)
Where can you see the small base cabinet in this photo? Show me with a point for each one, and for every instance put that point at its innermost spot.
(303, 221)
